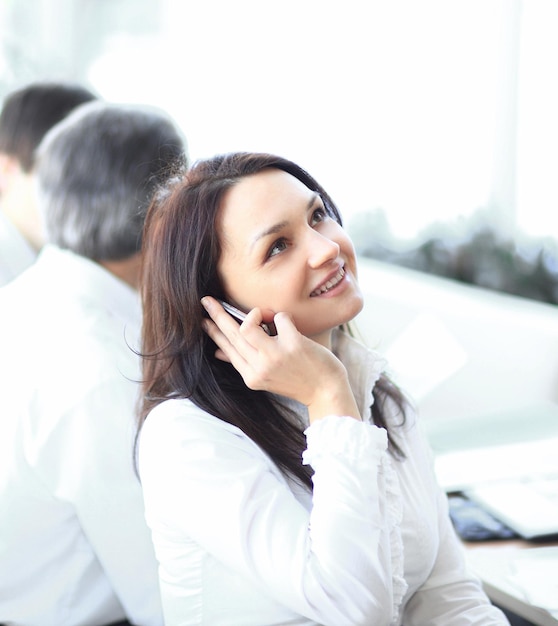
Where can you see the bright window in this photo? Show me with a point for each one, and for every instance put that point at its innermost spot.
(429, 111)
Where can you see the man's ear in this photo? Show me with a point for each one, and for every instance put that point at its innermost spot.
(9, 166)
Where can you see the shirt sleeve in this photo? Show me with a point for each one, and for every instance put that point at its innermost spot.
(86, 460)
(450, 594)
(332, 564)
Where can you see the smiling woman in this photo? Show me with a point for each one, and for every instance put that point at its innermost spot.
(284, 250)
(284, 476)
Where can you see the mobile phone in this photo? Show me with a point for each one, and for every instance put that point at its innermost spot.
(241, 316)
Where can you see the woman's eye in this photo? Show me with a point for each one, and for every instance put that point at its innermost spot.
(277, 247)
(318, 215)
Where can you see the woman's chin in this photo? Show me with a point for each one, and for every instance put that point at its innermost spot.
(354, 308)
(316, 329)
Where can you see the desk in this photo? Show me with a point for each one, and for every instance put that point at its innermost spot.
(488, 448)
(492, 562)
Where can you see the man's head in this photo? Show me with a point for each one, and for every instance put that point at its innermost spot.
(27, 115)
(96, 173)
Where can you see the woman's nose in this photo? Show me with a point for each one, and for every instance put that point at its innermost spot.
(321, 249)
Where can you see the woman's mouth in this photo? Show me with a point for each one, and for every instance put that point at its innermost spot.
(330, 284)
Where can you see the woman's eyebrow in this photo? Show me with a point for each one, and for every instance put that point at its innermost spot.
(276, 228)
(272, 230)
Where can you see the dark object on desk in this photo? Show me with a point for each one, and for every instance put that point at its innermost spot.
(528, 505)
(473, 523)
(515, 620)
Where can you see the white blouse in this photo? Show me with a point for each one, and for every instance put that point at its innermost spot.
(239, 544)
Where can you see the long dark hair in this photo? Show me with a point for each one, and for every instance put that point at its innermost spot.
(181, 249)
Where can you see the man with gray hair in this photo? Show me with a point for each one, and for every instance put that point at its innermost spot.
(74, 547)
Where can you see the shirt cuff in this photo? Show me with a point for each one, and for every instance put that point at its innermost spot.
(345, 437)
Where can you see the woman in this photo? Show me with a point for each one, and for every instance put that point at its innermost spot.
(285, 479)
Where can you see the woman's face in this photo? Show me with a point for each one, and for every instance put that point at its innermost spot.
(282, 252)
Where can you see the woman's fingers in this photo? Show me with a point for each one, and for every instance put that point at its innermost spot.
(231, 327)
(226, 350)
(219, 354)
(258, 358)
(228, 335)
(284, 325)
(288, 364)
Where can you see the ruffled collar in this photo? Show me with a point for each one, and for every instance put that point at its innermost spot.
(364, 367)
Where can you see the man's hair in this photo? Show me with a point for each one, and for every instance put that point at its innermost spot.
(96, 173)
(29, 113)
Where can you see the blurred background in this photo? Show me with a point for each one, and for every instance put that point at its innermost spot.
(433, 124)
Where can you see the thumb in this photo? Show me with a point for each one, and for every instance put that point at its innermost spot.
(284, 324)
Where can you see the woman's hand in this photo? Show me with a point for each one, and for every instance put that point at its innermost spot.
(288, 364)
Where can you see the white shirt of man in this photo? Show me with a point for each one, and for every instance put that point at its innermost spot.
(74, 546)
(16, 254)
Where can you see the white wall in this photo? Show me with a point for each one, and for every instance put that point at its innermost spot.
(459, 350)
